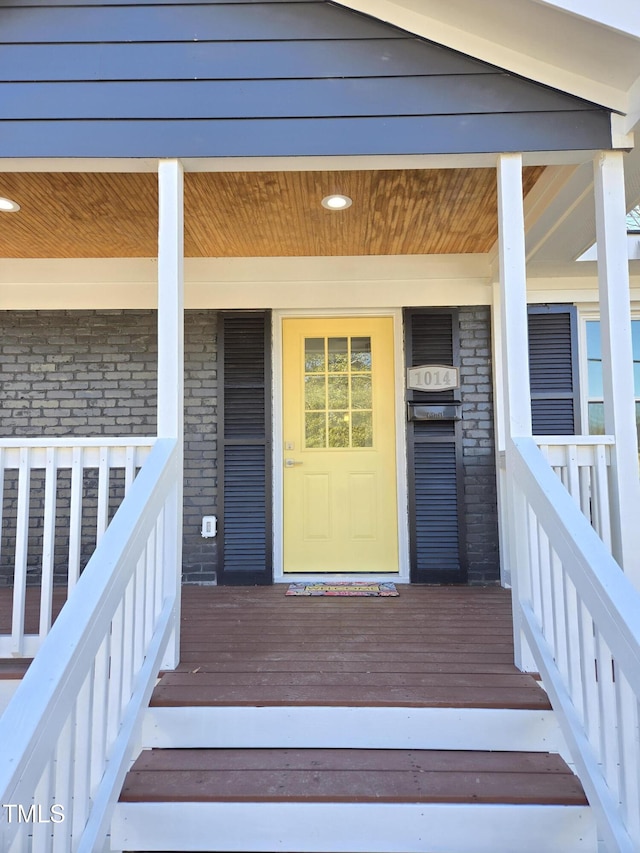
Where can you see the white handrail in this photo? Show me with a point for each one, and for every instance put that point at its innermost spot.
(67, 734)
(66, 519)
(581, 618)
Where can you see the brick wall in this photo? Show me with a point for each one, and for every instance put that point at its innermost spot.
(478, 450)
(94, 373)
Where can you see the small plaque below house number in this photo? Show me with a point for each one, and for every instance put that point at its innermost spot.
(433, 377)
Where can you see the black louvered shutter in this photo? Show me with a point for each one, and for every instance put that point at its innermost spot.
(245, 445)
(553, 370)
(435, 456)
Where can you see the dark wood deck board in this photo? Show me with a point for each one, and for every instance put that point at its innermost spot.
(392, 697)
(13, 668)
(429, 647)
(32, 610)
(350, 776)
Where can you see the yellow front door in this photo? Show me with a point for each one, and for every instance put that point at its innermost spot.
(340, 501)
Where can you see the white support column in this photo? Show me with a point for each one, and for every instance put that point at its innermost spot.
(515, 376)
(513, 297)
(170, 300)
(171, 367)
(617, 359)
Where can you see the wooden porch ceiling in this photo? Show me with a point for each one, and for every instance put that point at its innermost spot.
(255, 214)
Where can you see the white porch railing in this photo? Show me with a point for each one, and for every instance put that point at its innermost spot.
(56, 496)
(582, 462)
(580, 617)
(66, 737)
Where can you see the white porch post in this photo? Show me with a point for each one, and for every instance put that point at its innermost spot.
(617, 359)
(515, 374)
(171, 367)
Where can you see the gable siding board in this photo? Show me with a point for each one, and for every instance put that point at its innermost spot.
(305, 137)
(259, 79)
(218, 60)
(203, 22)
(207, 99)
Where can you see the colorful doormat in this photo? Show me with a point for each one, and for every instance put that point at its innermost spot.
(343, 588)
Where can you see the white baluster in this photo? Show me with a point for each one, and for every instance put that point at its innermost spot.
(48, 541)
(21, 555)
(75, 516)
(103, 494)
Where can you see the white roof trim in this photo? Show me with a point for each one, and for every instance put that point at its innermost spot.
(405, 14)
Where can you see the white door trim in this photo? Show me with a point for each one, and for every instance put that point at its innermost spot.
(402, 576)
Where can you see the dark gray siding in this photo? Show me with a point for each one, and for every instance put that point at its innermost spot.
(256, 79)
(91, 373)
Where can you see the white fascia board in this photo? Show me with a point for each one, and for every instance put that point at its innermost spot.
(632, 119)
(621, 133)
(525, 65)
(250, 283)
(619, 15)
(340, 163)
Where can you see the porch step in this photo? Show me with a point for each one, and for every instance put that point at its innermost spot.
(368, 689)
(371, 801)
(324, 727)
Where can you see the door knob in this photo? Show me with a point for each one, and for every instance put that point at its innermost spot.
(289, 463)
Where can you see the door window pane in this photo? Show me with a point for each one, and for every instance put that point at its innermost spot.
(339, 429)
(361, 392)
(338, 397)
(315, 429)
(338, 355)
(315, 392)
(314, 358)
(362, 429)
(361, 354)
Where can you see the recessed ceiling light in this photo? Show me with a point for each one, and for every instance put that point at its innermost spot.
(336, 202)
(8, 206)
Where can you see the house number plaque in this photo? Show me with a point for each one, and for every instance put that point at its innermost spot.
(433, 377)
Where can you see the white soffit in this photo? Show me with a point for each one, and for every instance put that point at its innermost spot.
(543, 41)
(567, 228)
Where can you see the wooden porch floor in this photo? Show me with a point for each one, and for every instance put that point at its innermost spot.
(429, 647)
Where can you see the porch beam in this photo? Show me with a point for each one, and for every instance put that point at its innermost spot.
(171, 369)
(512, 303)
(617, 359)
(309, 163)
